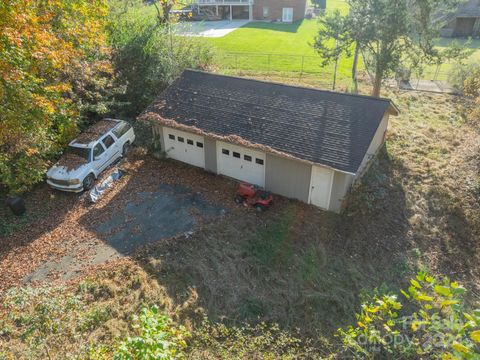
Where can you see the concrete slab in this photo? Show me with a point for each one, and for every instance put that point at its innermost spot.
(434, 86)
(212, 29)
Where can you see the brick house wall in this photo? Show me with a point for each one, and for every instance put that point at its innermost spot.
(275, 8)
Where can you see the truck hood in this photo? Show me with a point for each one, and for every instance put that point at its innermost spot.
(63, 173)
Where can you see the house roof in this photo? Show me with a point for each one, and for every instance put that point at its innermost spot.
(324, 127)
(469, 9)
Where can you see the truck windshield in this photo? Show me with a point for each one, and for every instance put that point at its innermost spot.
(79, 151)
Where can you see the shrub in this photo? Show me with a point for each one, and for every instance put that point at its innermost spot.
(434, 323)
(158, 338)
(148, 57)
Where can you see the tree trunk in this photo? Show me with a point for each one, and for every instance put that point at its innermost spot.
(354, 69)
(335, 74)
(377, 83)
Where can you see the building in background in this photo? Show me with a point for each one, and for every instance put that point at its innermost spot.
(465, 22)
(269, 10)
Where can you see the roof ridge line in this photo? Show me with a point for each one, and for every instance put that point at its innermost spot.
(292, 86)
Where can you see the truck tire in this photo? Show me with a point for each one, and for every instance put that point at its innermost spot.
(88, 182)
(126, 148)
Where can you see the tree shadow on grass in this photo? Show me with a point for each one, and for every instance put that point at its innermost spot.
(274, 26)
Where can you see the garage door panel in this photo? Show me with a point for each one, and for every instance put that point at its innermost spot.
(185, 147)
(241, 163)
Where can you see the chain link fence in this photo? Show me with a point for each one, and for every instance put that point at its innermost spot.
(309, 66)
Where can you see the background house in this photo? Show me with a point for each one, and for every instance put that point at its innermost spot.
(302, 143)
(272, 10)
(465, 22)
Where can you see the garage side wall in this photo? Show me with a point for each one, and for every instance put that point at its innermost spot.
(210, 155)
(375, 145)
(341, 185)
(157, 131)
(287, 177)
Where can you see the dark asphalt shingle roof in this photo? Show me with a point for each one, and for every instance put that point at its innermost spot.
(323, 127)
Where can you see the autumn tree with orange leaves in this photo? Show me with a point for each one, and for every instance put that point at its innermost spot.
(54, 66)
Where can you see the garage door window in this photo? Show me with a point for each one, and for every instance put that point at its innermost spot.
(171, 137)
(189, 142)
(236, 155)
(247, 157)
(225, 152)
(199, 144)
(180, 139)
(259, 161)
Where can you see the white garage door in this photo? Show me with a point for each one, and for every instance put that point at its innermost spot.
(185, 147)
(241, 163)
(321, 186)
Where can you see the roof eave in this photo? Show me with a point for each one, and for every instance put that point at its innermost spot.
(156, 118)
(393, 109)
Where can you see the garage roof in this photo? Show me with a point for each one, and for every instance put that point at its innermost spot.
(324, 127)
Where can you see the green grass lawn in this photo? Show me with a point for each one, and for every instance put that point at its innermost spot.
(261, 46)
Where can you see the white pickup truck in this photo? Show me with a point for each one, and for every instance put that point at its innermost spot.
(89, 154)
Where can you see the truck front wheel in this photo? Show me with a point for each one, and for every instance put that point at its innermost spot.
(88, 182)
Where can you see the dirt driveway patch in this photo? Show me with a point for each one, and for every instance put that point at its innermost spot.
(156, 200)
(150, 217)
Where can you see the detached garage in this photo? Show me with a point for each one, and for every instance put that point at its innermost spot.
(302, 143)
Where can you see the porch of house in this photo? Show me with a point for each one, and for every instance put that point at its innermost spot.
(226, 9)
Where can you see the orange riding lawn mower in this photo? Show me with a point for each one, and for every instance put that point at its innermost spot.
(251, 195)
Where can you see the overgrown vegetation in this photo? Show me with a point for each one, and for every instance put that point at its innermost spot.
(53, 55)
(104, 317)
(64, 65)
(157, 338)
(388, 34)
(148, 57)
(436, 325)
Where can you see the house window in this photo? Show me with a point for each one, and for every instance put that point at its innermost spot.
(199, 144)
(236, 155)
(247, 157)
(172, 137)
(259, 161)
(225, 152)
(265, 11)
(189, 142)
(181, 139)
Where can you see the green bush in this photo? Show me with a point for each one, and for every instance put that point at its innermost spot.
(158, 338)
(434, 323)
(148, 57)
